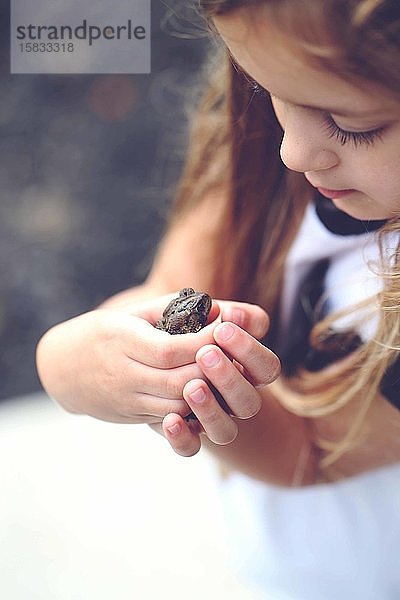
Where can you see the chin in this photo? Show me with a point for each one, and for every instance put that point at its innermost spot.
(362, 208)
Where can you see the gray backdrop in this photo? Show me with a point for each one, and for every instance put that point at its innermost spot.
(88, 166)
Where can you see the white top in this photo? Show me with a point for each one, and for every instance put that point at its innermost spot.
(350, 277)
(337, 541)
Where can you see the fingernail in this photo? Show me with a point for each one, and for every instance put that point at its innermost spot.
(197, 396)
(225, 331)
(210, 358)
(236, 315)
(174, 429)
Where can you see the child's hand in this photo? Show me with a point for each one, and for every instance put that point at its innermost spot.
(239, 378)
(117, 367)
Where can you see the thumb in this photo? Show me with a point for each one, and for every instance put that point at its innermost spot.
(250, 317)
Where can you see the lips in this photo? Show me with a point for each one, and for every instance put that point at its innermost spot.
(334, 194)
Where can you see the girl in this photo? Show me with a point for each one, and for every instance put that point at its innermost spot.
(311, 237)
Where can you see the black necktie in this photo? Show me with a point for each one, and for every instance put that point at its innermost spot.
(297, 351)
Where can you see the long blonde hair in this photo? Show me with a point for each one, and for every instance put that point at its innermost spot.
(235, 144)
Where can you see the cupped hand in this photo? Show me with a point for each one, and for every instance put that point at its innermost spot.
(240, 367)
(116, 366)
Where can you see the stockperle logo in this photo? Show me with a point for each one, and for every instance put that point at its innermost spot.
(79, 36)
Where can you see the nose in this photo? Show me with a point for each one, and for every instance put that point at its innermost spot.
(305, 147)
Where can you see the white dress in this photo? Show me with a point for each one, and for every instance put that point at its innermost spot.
(336, 541)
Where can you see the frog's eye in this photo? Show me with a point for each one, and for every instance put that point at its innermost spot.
(191, 304)
(202, 305)
(185, 292)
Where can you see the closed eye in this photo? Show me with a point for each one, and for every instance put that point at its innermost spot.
(358, 138)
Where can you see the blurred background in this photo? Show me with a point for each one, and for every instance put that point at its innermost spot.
(88, 165)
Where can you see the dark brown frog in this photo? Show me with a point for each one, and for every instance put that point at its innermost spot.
(187, 313)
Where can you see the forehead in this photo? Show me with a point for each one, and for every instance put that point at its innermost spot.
(280, 64)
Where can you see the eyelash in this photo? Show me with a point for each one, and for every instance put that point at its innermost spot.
(358, 138)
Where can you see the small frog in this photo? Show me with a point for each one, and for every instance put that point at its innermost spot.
(186, 314)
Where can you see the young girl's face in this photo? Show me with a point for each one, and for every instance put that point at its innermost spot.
(344, 138)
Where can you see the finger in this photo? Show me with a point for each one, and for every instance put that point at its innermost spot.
(219, 427)
(166, 383)
(250, 317)
(145, 408)
(241, 396)
(180, 435)
(156, 348)
(157, 427)
(215, 312)
(151, 309)
(262, 365)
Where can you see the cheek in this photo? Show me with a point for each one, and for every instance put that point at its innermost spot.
(382, 175)
(379, 179)
(279, 110)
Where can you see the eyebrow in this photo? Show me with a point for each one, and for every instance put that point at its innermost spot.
(345, 113)
(334, 111)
